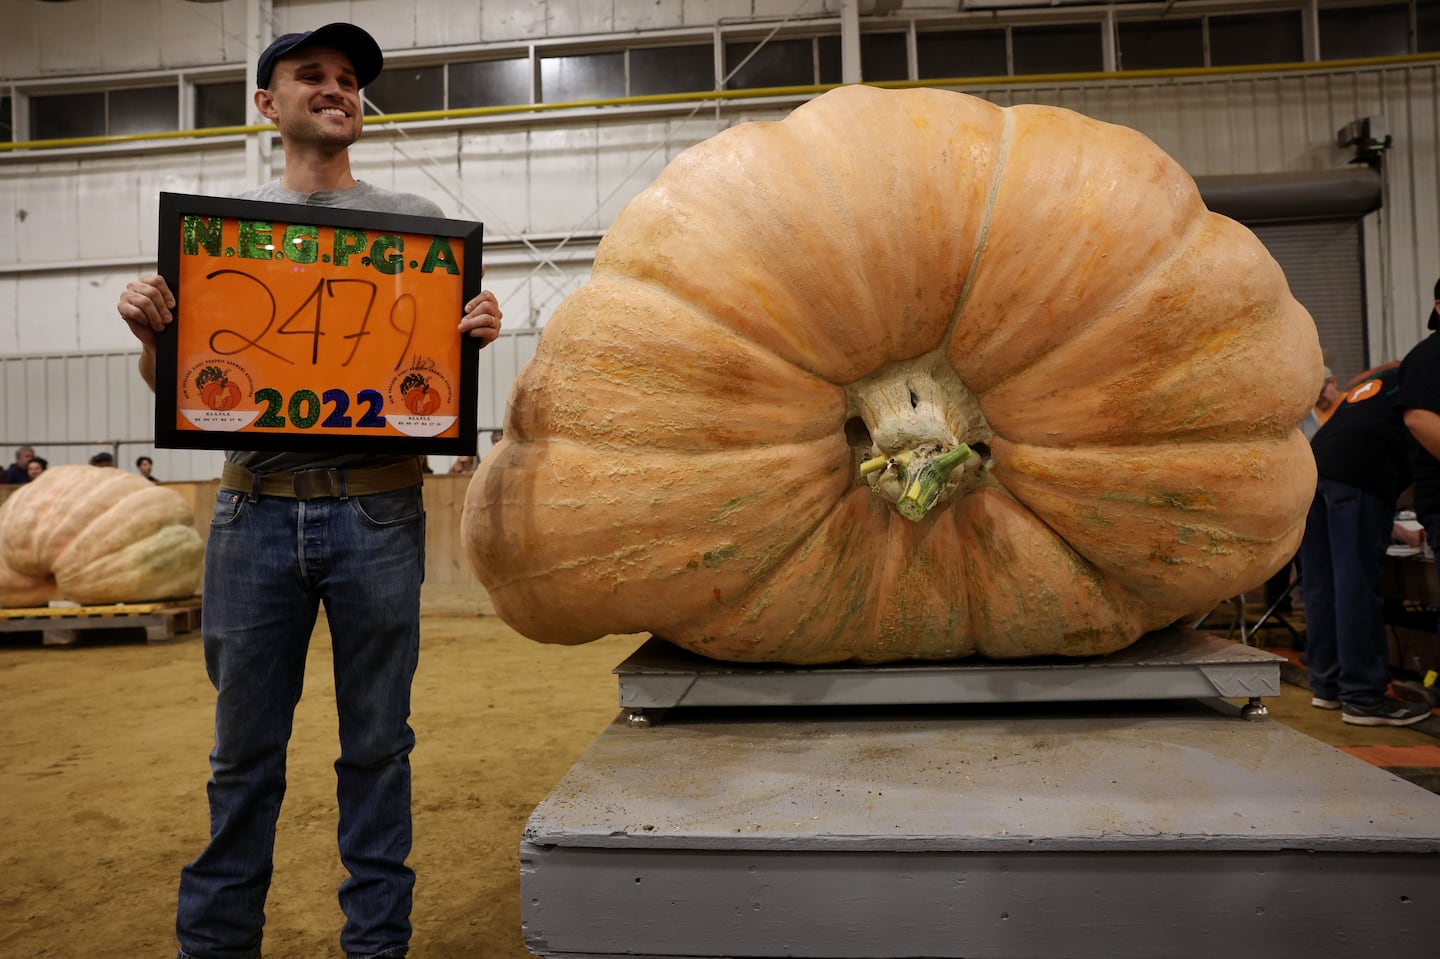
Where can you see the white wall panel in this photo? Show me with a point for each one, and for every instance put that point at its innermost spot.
(494, 177)
(393, 24)
(108, 36)
(563, 167)
(9, 316)
(806, 8)
(511, 286)
(193, 34)
(128, 29)
(298, 15)
(686, 132)
(429, 166)
(443, 23)
(48, 214)
(46, 310)
(648, 15)
(567, 18)
(500, 362)
(512, 21)
(549, 287)
(707, 13)
(628, 158)
(99, 326)
(67, 37)
(10, 187)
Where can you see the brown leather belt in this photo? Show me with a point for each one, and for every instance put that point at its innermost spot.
(318, 483)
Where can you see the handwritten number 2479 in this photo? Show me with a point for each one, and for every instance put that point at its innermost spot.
(402, 319)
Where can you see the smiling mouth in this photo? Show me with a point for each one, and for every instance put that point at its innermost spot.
(331, 112)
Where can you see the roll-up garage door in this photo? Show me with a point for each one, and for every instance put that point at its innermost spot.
(1311, 223)
(1324, 260)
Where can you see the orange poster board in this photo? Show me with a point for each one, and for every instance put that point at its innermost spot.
(315, 329)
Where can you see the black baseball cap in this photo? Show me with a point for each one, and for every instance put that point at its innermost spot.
(355, 43)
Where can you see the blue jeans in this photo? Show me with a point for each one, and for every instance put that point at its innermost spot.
(269, 564)
(1343, 555)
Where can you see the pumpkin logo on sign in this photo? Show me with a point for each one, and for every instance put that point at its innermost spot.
(422, 390)
(210, 392)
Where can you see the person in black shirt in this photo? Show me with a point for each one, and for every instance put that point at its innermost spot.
(1362, 455)
(1419, 397)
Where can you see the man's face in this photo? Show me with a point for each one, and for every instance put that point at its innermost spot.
(1329, 393)
(314, 99)
(24, 455)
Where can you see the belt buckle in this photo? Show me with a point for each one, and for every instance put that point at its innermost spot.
(313, 484)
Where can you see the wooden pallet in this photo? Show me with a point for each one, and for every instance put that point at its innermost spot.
(163, 622)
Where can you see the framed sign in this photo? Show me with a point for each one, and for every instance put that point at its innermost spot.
(315, 329)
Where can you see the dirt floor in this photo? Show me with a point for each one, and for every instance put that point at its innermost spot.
(103, 772)
(102, 786)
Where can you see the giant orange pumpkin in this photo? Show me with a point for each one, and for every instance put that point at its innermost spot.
(904, 375)
(93, 534)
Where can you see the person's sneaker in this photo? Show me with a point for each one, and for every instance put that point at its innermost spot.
(1388, 712)
(1320, 702)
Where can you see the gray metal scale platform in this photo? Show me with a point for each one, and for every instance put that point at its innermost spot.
(1174, 663)
(1067, 825)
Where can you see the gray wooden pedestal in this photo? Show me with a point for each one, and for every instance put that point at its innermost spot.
(1146, 829)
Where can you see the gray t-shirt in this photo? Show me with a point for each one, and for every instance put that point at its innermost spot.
(361, 196)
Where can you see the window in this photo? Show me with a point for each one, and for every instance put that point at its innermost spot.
(1072, 48)
(489, 83)
(1427, 26)
(883, 57)
(220, 104)
(687, 69)
(7, 126)
(1161, 44)
(1255, 38)
(593, 76)
(829, 59)
(779, 63)
(144, 110)
(961, 53)
(1371, 31)
(59, 116)
(407, 89)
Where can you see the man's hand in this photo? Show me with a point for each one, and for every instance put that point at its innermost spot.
(482, 318)
(147, 307)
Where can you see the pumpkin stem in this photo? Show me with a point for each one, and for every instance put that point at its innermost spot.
(880, 462)
(923, 476)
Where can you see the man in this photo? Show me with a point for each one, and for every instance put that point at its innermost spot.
(1420, 398)
(19, 471)
(1278, 586)
(145, 466)
(281, 542)
(102, 458)
(1362, 455)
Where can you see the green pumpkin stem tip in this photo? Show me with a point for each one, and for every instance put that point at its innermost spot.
(925, 481)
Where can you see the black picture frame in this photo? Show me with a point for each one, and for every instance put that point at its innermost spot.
(467, 236)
